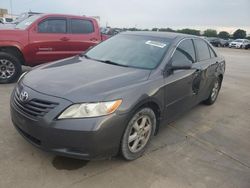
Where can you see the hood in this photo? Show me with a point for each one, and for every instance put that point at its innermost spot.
(82, 80)
(14, 35)
(7, 26)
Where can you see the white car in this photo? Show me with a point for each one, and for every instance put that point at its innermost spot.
(5, 20)
(239, 43)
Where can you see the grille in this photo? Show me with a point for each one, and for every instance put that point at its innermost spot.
(35, 108)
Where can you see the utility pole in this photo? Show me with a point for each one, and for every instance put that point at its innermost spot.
(11, 8)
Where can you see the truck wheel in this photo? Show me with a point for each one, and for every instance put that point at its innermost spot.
(10, 68)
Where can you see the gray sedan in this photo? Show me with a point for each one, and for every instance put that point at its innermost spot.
(114, 97)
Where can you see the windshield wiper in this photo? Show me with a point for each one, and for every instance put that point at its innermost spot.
(112, 63)
(84, 55)
(103, 61)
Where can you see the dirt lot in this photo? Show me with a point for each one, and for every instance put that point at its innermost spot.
(207, 147)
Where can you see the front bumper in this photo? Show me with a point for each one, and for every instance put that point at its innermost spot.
(86, 138)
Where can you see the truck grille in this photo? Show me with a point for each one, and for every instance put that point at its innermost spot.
(35, 108)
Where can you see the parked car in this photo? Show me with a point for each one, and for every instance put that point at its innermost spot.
(115, 96)
(247, 46)
(239, 43)
(217, 42)
(5, 20)
(44, 38)
(110, 31)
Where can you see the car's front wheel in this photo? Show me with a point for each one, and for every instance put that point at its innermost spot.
(10, 68)
(214, 92)
(138, 133)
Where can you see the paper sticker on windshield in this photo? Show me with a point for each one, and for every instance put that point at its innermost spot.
(155, 43)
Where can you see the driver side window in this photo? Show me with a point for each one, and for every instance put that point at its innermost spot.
(185, 52)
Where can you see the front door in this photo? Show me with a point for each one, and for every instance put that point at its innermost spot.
(49, 42)
(182, 86)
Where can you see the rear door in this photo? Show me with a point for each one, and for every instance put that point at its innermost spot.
(84, 33)
(207, 63)
(49, 41)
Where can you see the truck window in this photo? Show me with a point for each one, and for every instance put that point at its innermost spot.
(81, 26)
(53, 26)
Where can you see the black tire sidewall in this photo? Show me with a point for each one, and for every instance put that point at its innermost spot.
(126, 153)
(209, 100)
(18, 67)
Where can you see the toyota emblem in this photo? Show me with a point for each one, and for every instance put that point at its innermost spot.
(24, 96)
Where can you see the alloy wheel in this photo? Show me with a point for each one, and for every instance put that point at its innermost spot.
(7, 69)
(139, 134)
(215, 90)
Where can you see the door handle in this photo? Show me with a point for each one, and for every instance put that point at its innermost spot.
(197, 71)
(93, 39)
(64, 39)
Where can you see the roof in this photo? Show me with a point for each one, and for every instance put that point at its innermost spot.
(169, 35)
(66, 15)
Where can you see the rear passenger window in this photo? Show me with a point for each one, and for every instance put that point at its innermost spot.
(81, 26)
(202, 49)
(185, 51)
(212, 53)
(53, 26)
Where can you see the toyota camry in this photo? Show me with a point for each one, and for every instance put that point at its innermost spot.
(114, 97)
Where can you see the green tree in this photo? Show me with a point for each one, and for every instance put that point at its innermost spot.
(239, 34)
(190, 31)
(224, 35)
(166, 29)
(155, 29)
(210, 33)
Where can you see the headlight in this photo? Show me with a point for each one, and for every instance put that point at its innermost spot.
(90, 109)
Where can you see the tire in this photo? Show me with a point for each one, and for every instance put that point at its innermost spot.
(140, 130)
(10, 68)
(214, 92)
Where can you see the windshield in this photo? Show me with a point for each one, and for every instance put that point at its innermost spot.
(238, 40)
(22, 17)
(9, 20)
(131, 50)
(27, 22)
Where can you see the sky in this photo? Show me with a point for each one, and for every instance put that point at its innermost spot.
(226, 15)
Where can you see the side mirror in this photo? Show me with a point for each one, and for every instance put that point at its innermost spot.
(184, 64)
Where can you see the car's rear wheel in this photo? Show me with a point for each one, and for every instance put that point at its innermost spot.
(10, 68)
(214, 92)
(138, 133)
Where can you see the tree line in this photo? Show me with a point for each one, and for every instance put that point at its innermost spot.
(239, 33)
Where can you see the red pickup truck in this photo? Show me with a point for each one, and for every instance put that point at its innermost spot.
(44, 38)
